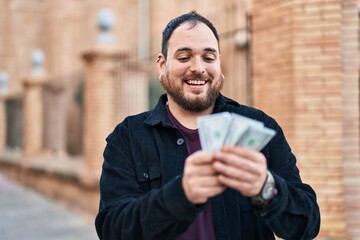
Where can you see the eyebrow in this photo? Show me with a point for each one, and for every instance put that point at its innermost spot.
(186, 49)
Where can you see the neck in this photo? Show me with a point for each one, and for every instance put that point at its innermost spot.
(187, 118)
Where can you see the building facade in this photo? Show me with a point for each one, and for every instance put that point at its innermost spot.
(296, 60)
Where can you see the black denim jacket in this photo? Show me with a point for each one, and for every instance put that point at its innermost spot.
(142, 195)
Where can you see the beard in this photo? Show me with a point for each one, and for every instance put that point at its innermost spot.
(199, 103)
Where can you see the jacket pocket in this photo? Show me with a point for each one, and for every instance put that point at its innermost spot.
(149, 177)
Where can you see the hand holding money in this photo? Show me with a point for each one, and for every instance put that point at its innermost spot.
(236, 141)
(242, 169)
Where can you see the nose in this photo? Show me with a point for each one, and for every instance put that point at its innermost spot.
(197, 65)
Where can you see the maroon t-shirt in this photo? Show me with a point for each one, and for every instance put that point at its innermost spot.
(202, 228)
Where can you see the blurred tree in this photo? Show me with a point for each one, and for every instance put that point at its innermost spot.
(155, 90)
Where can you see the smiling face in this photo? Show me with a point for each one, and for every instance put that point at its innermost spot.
(191, 73)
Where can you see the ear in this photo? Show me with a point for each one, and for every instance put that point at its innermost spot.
(161, 62)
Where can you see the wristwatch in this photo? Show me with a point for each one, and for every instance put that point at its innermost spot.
(267, 192)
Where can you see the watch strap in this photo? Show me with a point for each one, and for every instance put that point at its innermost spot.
(267, 193)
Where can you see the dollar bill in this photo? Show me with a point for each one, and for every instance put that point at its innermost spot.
(213, 130)
(217, 130)
(256, 138)
(238, 126)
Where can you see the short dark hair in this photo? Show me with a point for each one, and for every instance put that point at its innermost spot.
(193, 17)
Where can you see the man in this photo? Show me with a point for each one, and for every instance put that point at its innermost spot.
(156, 181)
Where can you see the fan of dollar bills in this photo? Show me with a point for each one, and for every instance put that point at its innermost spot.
(217, 130)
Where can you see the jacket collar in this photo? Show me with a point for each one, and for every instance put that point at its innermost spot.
(158, 114)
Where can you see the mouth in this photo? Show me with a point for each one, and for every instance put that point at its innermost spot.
(196, 82)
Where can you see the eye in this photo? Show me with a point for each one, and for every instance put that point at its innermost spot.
(209, 58)
(183, 59)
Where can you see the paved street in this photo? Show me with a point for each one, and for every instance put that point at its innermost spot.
(26, 215)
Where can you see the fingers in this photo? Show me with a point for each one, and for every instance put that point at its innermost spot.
(246, 153)
(199, 190)
(200, 158)
(246, 188)
(241, 169)
(199, 164)
(207, 174)
(200, 180)
(249, 188)
(239, 162)
(234, 172)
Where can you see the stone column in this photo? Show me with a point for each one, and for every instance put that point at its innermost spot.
(113, 89)
(33, 114)
(99, 102)
(101, 63)
(33, 107)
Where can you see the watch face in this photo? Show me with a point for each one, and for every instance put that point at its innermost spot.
(268, 192)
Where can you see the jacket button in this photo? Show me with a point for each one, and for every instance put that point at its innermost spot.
(180, 141)
(145, 175)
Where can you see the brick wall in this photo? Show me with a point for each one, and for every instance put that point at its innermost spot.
(318, 95)
(272, 60)
(303, 77)
(351, 116)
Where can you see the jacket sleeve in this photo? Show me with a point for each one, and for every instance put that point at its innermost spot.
(127, 211)
(294, 212)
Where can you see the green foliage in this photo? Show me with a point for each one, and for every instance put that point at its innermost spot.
(155, 90)
(79, 95)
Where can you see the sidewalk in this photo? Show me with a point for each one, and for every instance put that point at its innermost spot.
(26, 215)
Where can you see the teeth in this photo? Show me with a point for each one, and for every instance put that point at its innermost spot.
(196, 82)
